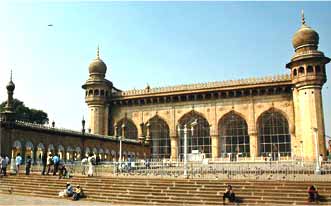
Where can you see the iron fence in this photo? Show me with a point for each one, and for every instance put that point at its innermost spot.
(290, 170)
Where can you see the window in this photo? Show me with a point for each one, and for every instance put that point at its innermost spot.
(273, 134)
(233, 135)
(310, 69)
(318, 69)
(295, 72)
(200, 139)
(130, 129)
(160, 140)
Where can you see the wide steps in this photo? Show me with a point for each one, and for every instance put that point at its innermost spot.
(158, 191)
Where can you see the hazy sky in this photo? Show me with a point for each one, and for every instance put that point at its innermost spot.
(159, 43)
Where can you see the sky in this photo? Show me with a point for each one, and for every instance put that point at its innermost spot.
(155, 43)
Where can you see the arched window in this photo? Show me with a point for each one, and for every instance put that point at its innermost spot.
(90, 92)
(273, 134)
(310, 69)
(200, 139)
(130, 129)
(96, 92)
(295, 72)
(102, 93)
(317, 69)
(233, 135)
(160, 140)
(301, 71)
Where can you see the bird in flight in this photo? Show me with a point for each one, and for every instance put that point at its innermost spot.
(50, 25)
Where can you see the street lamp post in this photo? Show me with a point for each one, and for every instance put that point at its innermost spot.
(302, 158)
(318, 166)
(185, 150)
(120, 157)
(185, 130)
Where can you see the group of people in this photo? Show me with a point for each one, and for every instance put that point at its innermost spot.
(4, 161)
(53, 165)
(88, 163)
(76, 193)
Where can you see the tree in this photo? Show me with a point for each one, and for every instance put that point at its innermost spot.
(23, 113)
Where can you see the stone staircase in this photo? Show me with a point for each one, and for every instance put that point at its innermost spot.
(157, 191)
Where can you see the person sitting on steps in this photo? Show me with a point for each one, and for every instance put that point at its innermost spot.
(312, 194)
(229, 194)
(78, 193)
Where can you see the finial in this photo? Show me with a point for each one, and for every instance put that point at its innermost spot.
(11, 75)
(303, 17)
(98, 53)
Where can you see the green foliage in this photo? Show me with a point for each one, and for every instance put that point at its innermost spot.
(26, 114)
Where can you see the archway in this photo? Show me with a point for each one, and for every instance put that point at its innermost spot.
(273, 134)
(16, 149)
(233, 133)
(200, 139)
(158, 130)
(69, 153)
(51, 149)
(77, 153)
(40, 152)
(128, 127)
(60, 150)
(87, 151)
(29, 150)
(101, 153)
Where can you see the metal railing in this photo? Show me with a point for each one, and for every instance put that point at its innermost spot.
(291, 170)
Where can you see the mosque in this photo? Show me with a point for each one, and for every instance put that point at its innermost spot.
(249, 118)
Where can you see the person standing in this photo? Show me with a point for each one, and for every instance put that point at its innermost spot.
(18, 162)
(56, 161)
(91, 163)
(28, 165)
(49, 163)
(84, 165)
(44, 163)
(3, 164)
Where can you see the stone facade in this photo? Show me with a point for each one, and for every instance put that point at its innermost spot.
(279, 115)
(34, 140)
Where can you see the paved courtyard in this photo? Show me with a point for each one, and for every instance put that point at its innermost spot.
(28, 200)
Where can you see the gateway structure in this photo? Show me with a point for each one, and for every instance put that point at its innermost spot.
(252, 117)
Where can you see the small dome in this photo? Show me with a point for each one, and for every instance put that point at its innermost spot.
(97, 66)
(305, 36)
(10, 86)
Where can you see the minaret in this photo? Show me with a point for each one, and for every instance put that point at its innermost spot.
(97, 96)
(8, 114)
(308, 76)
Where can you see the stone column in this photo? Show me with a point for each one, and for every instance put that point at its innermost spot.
(174, 147)
(253, 144)
(215, 146)
(34, 155)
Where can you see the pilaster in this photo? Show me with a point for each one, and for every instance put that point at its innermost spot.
(174, 147)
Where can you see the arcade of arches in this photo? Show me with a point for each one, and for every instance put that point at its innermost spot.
(273, 135)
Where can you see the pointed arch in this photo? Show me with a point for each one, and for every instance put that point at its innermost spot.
(17, 144)
(130, 129)
(233, 132)
(51, 148)
(273, 133)
(29, 145)
(159, 135)
(41, 147)
(200, 138)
